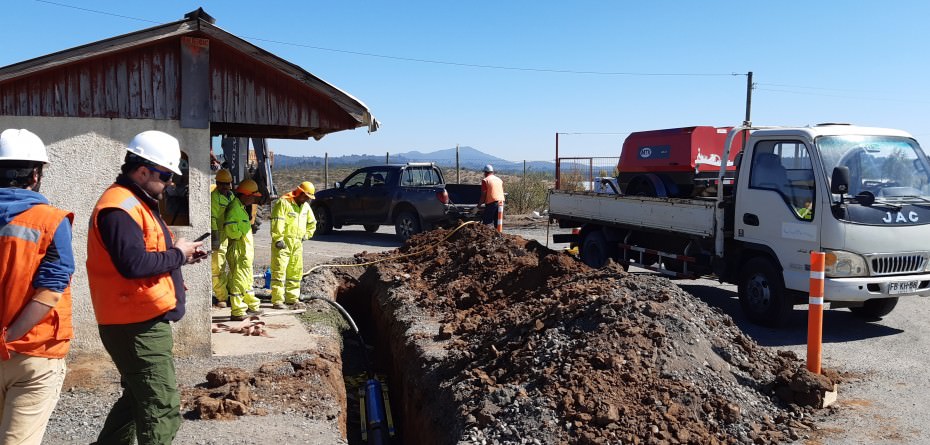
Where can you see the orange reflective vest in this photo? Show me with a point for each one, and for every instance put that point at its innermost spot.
(117, 299)
(492, 189)
(23, 243)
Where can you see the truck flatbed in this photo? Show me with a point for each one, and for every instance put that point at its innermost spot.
(694, 216)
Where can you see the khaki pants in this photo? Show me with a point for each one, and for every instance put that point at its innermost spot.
(30, 390)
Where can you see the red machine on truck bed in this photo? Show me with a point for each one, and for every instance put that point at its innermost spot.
(677, 162)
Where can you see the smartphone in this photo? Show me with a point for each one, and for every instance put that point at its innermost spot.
(202, 237)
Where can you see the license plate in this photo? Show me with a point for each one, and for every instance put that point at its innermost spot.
(903, 287)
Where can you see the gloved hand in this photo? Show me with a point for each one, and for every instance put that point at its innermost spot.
(214, 240)
(255, 227)
(279, 244)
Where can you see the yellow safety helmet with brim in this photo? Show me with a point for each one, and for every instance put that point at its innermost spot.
(223, 175)
(308, 189)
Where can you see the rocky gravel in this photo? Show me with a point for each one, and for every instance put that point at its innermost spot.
(539, 348)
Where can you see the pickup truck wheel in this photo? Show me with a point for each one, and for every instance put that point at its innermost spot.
(324, 220)
(595, 250)
(875, 308)
(371, 228)
(762, 293)
(406, 225)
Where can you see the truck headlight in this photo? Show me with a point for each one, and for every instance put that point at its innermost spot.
(839, 263)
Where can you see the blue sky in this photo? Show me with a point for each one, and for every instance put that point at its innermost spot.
(813, 61)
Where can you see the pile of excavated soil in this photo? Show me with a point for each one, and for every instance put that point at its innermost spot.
(536, 347)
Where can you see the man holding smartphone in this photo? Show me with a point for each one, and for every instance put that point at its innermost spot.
(134, 272)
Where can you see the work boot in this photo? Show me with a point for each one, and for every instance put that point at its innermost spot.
(238, 317)
(220, 305)
(298, 305)
(255, 312)
(279, 306)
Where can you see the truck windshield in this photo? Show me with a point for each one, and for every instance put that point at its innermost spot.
(892, 168)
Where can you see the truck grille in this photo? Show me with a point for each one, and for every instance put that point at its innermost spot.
(887, 264)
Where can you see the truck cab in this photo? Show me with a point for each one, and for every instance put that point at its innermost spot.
(859, 194)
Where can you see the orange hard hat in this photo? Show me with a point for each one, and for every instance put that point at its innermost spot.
(248, 187)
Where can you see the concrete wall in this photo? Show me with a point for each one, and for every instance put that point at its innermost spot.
(85, 155)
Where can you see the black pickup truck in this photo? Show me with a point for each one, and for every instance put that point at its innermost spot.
(413, 197)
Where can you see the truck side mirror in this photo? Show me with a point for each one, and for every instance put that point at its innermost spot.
(337, 185)
(839, 183)
(738, 159)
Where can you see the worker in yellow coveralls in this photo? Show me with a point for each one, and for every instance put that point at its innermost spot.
(220, 197)
(241, 252)
(292, 222)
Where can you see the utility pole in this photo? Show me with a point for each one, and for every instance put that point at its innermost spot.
(556, 160)
(387, 158)
(457, 179)
(748, 121)
(326, 170)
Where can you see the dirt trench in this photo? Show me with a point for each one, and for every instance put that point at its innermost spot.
(489, 338)
(494, 339)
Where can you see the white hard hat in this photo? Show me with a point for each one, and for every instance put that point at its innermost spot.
(158, 147)
(22, 145)
(489, 168)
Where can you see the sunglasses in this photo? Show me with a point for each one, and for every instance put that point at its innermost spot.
(162, 175)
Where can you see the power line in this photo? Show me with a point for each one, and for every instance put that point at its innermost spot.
(430, 61)
(99, 12)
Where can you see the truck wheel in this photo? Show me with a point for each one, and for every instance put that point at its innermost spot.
(324, 220)
(875, 308)
(762, 293)
(406, 225)
(371, 228)
(595, 250)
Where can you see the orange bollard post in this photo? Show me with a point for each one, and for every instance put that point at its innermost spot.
(500, 216)
(815, 313)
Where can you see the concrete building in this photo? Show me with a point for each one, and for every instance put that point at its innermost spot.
(189, 79)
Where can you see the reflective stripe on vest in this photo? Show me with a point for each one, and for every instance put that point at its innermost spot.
(117, 299)
(24, 242)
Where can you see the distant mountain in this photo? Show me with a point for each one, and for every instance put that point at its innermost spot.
(469, 158)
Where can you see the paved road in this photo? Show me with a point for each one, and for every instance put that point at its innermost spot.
(886, 401)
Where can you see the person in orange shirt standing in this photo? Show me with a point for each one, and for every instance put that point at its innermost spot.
(137, 290)
(35, 285)
(492, 196)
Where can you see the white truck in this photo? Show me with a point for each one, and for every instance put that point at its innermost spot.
(859, 194)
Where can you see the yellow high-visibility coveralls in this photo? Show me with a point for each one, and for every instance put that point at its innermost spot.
(218, 204)
(240, 254)
(291, 224)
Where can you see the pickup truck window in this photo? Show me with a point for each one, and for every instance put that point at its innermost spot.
(785, 167)
(356, 180)
(419, 176)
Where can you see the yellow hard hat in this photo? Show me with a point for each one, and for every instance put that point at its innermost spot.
(248, 187)
(223, 175)
(308, 189)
